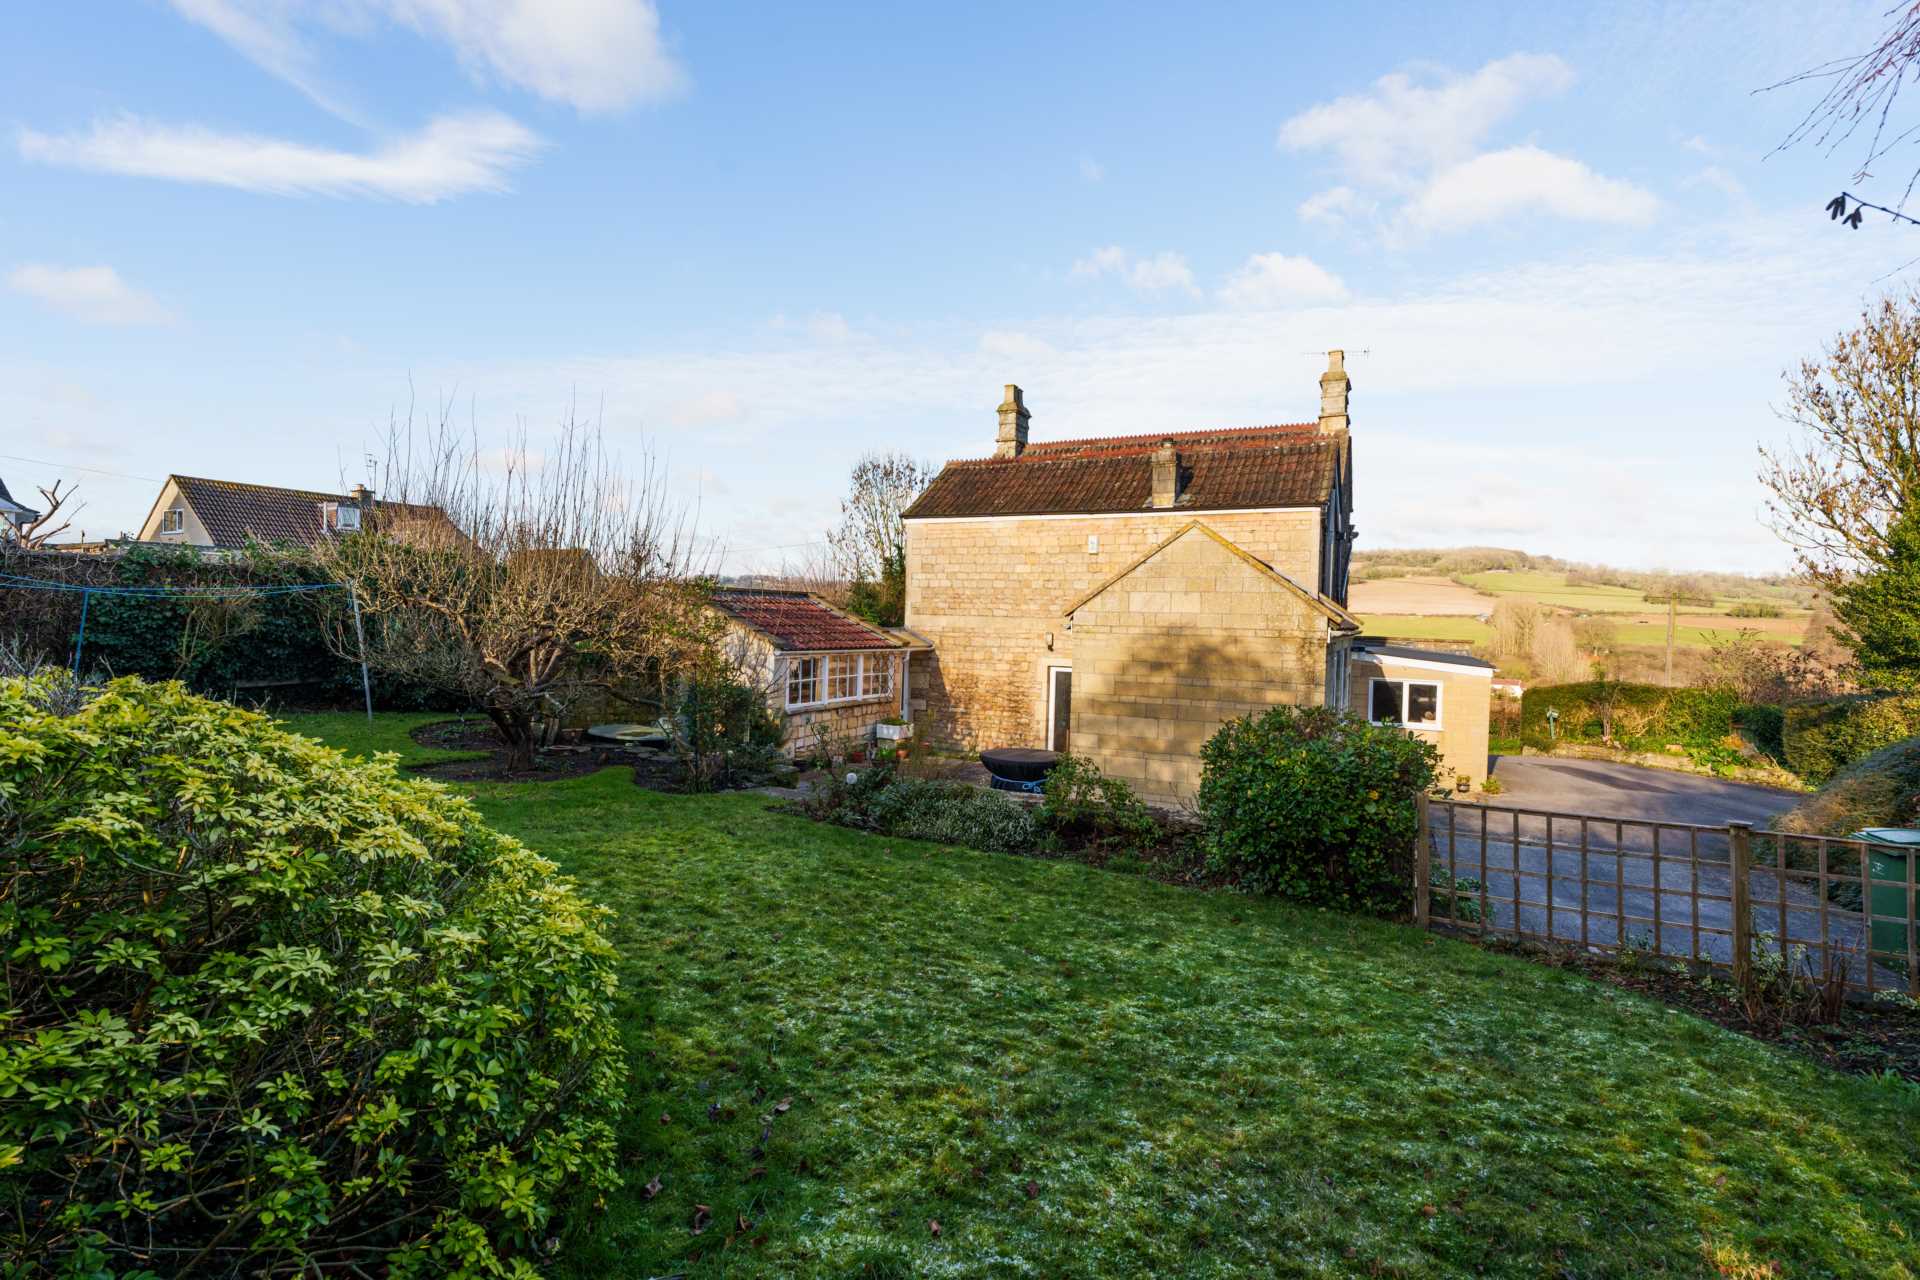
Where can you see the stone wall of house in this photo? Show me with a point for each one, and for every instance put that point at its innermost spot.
(846, 723)
(990, 592)
(1190, 639)
(1465, 707)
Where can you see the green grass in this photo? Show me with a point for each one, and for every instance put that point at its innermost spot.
(1426, 627)
(1552, 588)
(1084, 1073)
(389, 730)
(1655, 633)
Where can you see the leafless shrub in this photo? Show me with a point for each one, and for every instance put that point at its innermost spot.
(521, 580)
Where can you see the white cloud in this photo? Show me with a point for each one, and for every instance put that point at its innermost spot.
(1338, 206)
(265, 34)
(1091, 169)
(705, 409)
(1419, 146)
(828, 327)
(1399, 126)
(1720, 180)
(594, 55)
(454, 155)
(95, 294)
(1149, 274)
(1276, 280)
(1499, 184)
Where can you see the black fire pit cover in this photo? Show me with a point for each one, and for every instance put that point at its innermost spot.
(1019, 764)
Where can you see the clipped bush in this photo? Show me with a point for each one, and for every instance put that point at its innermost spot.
(1082, 807)
(1634, 717)
(276, 1012)
(1822, 738)
(1316, 804)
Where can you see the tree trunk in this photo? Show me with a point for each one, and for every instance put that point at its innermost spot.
(515, 728)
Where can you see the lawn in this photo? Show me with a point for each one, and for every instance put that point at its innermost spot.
(840, 1040)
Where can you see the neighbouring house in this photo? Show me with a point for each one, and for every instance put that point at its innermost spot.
(227, 515)
(1508, 687)
(1120, 597)
(1444, 698)
(12, 512)
(831, 676)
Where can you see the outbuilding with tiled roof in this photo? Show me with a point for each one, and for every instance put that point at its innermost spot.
(833, 677)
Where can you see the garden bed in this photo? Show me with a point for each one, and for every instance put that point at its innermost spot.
(1862, 1040)
(572, 757)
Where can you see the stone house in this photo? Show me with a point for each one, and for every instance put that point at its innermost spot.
(830, 676)
(1121, 597)
(1444, 698)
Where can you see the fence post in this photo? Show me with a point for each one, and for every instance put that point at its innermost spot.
(1740, 857)
(1422, 852)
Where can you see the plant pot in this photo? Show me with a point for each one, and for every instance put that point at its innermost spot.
(893, 732)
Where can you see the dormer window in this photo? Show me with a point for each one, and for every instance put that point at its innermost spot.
(173, 520)
(340, 517)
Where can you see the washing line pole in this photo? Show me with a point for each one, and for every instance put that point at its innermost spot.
(366, 681)
(80, 640)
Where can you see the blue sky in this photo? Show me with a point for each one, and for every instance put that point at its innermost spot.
(236, 236)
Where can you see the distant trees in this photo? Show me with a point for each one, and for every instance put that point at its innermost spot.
(1834, 494)
(1540, 641)
(870, 542)
(552, 574)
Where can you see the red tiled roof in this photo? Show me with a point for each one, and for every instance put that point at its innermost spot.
(1289, 465)
(799, 622)
(233, 512)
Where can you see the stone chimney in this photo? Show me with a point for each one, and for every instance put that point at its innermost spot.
(363, 498)
(1334, 388)
(1166, 474)
(1013, 425)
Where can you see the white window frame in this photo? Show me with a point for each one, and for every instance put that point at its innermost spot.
(173, 520)
(868, 669)
(1053, 697)
(1406, 687)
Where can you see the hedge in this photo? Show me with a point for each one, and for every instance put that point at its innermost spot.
(1646, 717)
(140, 636)
(1822, 738)
(273, 1011)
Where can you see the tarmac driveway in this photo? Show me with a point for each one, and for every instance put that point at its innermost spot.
(1649, 864)
(1609, 790)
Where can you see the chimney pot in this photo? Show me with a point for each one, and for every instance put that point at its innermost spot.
(1335, 386)
(1166, 474)
(1012, 440)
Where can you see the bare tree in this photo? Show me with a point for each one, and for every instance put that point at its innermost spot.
(870, 536)
(1833, 494)
(42, 529)
(521, 580)
(1862, 92)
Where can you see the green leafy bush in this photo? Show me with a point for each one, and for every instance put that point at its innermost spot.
(1822, 738)
(1765, 725)
(925, 809)
(1315, 804)
(276, 1012)
(724, 732)
(1082, 807)
(1635, 717)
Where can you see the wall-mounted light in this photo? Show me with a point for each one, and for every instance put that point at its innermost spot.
(1093, 544)
(1049, 639)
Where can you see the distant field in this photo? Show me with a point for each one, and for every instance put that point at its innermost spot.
(1400, 626)
(1418, 595)
(1685, 635)
(1552, 588)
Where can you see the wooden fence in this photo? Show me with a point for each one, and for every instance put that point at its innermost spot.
(1712, 896)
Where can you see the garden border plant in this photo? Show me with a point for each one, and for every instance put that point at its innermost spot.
(272, 1008)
